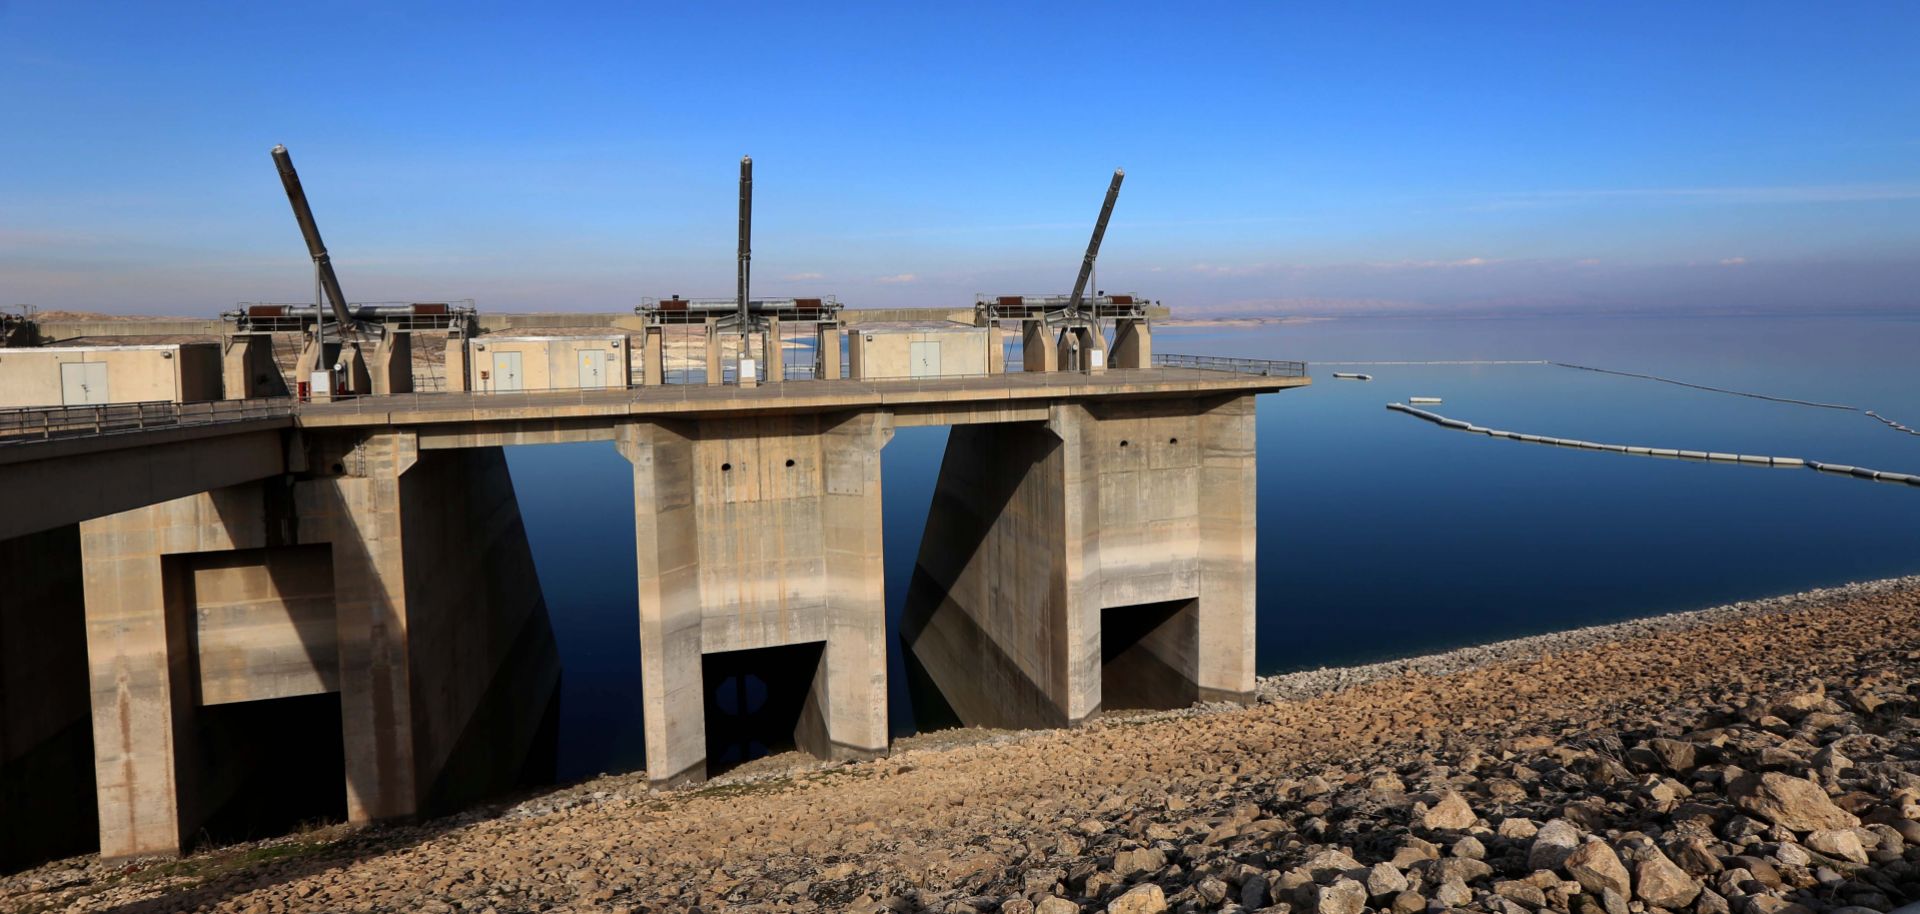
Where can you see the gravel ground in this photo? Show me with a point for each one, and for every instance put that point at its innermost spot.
(1757, 758)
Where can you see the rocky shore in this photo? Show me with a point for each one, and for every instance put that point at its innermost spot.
(1761, 758)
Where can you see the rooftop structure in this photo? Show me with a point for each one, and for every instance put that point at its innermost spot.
(1055, 308)
(458, 318)
(726, 311)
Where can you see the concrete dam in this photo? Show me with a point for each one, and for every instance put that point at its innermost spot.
(275, 570)
(170, 583)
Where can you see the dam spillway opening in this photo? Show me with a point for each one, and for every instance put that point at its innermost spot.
(1145, 651)
(281, 760)
(759, 702)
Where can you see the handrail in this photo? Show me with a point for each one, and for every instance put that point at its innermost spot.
(40, 423)
(1264, 367)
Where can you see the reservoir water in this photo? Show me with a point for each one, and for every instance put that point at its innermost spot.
(1381, 535)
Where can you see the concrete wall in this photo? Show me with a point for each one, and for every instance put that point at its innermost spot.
(855, 316)
(1039, 532)
(264, 623)
(987, 609)
(248, 368)
(46, 742)
(757, 533)
(180, 373)
(492, 322)
(264, 591)
(55, 331)
(882, 353)
(548, 363)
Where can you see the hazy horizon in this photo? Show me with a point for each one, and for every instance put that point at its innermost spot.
(1365, 160)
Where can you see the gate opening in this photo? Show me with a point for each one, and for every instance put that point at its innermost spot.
(756, 700)
(281, 763)
(1147, 655)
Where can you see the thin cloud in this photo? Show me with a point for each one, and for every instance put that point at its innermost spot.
(1221, 269)
(897, 278)
(1295, 269)
(1802, 193)
(1733, 261)
(1076, 226)
(804, 277)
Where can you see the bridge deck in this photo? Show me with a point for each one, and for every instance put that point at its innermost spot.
(923, 399)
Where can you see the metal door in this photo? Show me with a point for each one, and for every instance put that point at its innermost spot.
(925, 359)
(593, 368)
(506, 371)
(83, 383)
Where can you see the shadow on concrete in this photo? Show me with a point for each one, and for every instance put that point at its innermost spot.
(931, 710)
(951, 662)
(46, 724)
(286, 760)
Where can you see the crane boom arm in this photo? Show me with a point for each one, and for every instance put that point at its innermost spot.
(746, 238)
(1093, 245)
(290, 179)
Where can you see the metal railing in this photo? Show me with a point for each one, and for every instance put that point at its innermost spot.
(730, 394)
(1264, 367)
(41, 423)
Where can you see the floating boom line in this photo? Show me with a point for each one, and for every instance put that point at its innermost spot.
(1672, 453)
(1718, 390)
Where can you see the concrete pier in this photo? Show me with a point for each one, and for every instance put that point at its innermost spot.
(1106, 550)
(755, 533)
(400, 583)
(1132, 344)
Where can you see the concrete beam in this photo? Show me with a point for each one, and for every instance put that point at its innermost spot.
(458, 378)
(716, 370)
(64, 481)
(483, 434)
(773, 352)
(704, 402)
(827, 351)
(653, 370)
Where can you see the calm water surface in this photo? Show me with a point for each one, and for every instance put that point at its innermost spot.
(1381, 535)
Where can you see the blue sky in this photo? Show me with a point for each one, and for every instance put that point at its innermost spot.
(1284, 158)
